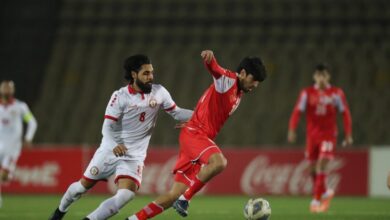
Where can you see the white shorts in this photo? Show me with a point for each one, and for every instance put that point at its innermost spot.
(104, 164)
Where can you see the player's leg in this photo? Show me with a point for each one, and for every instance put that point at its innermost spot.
(215, 165)
(325, 156)
(95, 171)
(72, 194)
(7, 167)
(162, 203)
(128, 178)
(111, 206)
(312, 155)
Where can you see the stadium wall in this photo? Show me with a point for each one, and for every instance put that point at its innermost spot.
(250, 171)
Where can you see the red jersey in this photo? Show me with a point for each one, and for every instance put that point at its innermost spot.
(321, 107)
(218, 102)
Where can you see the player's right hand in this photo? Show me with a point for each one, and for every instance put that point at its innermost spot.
(291, 136)
(119, 150)
(207, 55)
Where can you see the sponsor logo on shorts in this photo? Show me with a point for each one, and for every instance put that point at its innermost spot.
(94, 170)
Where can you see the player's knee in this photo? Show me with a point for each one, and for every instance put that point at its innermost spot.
(220, 164)
(77, 189)
(123, 196)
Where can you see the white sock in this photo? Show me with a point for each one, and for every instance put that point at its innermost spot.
(182, 198)
(111, 206)
(74, 192)
(315, 202)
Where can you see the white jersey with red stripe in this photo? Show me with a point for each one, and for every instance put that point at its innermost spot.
(134, 115)
(12, 115)
(218, 102)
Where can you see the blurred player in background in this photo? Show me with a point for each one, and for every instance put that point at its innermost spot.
(388, 180)
(320, 103)
(130, 117)
(200, 159)
(13, 113)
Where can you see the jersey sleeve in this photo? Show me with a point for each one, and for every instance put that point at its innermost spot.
(32, 124)
(167, 102)
(223, 78)
(299, 107)
(115, 107)
(342, 105)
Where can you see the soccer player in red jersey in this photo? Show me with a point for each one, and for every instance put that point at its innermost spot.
(200, 159)
(320, 103)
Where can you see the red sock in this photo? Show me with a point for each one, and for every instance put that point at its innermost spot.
(319, 186)
(313, 180)
(195, 187)
(149, 211)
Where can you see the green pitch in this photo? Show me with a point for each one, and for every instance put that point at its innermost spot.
(34, 207)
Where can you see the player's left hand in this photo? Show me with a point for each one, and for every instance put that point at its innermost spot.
(348, 141)
(119, 150)
(207, 55)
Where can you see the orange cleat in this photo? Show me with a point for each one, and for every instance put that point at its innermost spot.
(326, 199)
(315, 207)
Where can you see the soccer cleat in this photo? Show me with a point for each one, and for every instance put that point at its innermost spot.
(57, 215)
(86, 218)
(325, 201)
(133, 217)
(315, 207)
(181, 207)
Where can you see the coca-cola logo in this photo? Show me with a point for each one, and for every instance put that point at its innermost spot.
(263, 176)
(44, 175)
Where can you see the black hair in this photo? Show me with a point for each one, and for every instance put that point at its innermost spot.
(134, 63)
(253, 66)
(322, 67)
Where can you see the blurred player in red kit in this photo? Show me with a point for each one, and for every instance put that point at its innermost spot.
(200, 159)
(320, 103)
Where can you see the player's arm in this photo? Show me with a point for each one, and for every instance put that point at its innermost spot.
(211, 64)
(31, 122)
(299, 107)
(223, 78)
(347, 119)
(114, 111)
(170, 107)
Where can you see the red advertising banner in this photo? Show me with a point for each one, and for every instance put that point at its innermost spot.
(249, 171)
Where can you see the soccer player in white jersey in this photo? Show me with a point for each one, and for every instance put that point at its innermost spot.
(13, 113)
(130, 117)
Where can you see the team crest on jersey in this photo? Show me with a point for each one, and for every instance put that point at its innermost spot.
(94, 171)
(153, 103)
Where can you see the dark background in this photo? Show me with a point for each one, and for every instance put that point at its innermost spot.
(66, 60)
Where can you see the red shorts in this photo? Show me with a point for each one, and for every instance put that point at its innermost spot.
(195, 150)
(318, 148)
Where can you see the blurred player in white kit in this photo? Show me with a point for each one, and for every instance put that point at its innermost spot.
(130, 117)
(13, 113)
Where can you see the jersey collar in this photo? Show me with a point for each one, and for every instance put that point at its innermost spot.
(10, 101)
(317, 87)
(134, 92)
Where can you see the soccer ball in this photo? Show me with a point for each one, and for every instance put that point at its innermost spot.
(257, 209)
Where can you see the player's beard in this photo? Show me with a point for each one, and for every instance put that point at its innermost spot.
(6, 97)
(145, 87)
(241, 86)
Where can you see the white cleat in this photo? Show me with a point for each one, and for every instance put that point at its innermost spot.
(133, 217)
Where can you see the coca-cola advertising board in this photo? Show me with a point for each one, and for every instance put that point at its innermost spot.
(250, 171)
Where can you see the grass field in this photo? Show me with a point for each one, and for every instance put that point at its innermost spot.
(202, 208)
